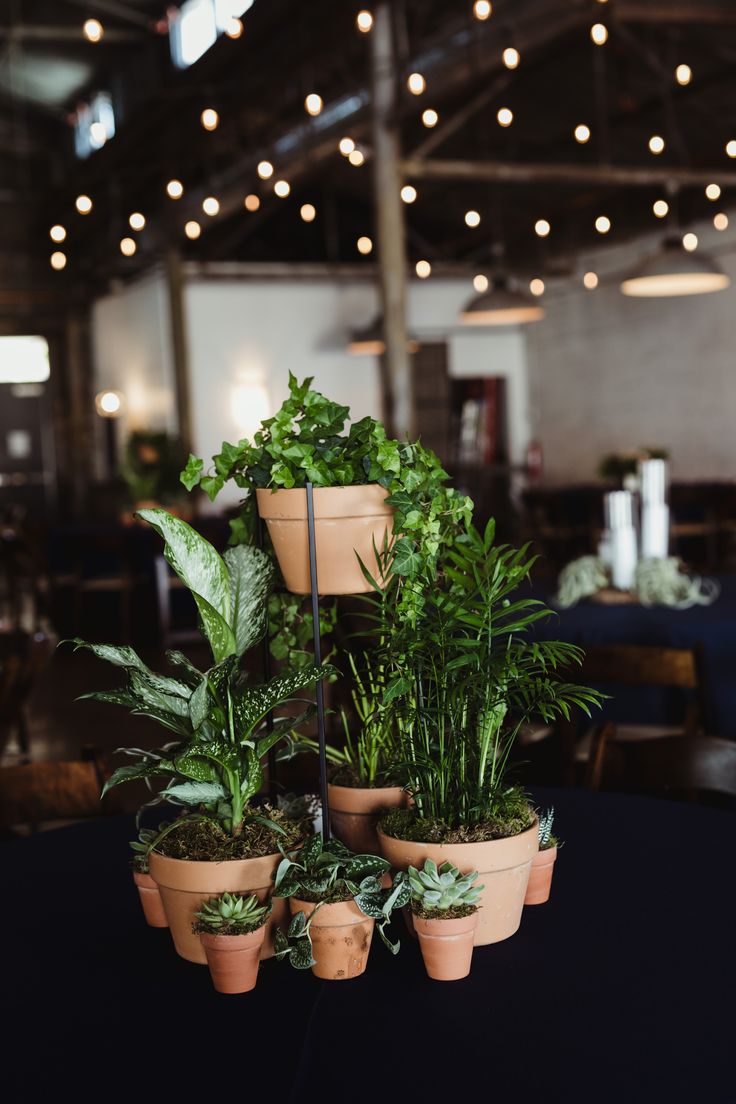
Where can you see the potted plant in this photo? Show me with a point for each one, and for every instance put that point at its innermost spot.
(466, 679)
(150, 898)
(369, 490)
(336, 898)
(540, 876)
(444, 907)
(213, 769)
(232, 929)
(150, 470)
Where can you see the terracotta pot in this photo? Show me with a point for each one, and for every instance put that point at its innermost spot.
(354, 813)
(346, 520)
(184, 885)
(503, 868)
(341, 938)
(447, 945)
(540, 878)
(153, 908)
(233, 959)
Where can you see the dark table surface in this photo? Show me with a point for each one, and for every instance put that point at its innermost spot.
(713, 627)
(620, 989)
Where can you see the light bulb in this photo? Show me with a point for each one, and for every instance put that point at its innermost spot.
(599, 34)
(210, 206)
(93, 30)
(542, 228)
(590, 281)
(423, 269)
(365, 245)
(57, 233)
(308, 212)
(480, 283)
(731, 148)
(408, 193)
(364, 21)
(582, 133)
(109, 403)
(660, 207)
(251, 202)
(83, 204)
(416, 84)
(282, 188)
(58, 260)
(175, 189)
(137, 221)
(482, 9)
(713, 191)
(234, 27)
(505, 116)
(683, 74)
(209, 119)
(128, 247)
(346, 146)
(97, 134)
(656, 144)
(690, 242)
(430, 118)
(472, 219)
(720, 221)
(265, 170)
(536, 286)
(603, 224)
(511, 57)
(313, 104)
(192, 230)
(356, 157)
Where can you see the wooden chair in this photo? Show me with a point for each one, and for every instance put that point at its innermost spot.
(32, 794)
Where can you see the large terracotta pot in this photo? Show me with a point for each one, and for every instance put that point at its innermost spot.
(153, 908)
(341, 938)
(346, 520)
(354, 813)
(503, 867)
(540, 878)
(233, 959)
(184, 885)
(447, 945)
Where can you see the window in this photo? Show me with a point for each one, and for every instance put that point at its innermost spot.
(95, 124)
(197, 25)
(24, 360)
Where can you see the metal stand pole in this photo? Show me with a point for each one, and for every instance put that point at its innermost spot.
(318, 660)
(267, 677)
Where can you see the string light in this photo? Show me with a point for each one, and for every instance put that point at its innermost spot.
(93, 30)
(209, 119)
(346, 146)
(472, 219)
(137, 221)
(683, 74)
(265, 170)
(308, 212)
(364, 245)
(423, 269)
(542, 228)
(58, 260)
(356, 157)
(175, 189)
(251, 202)
(416, 84)
(57, 233)
(234, 27)
(690, 242)
(282, 188)
(660, 207)
(582, 133)
(313, 104)
(83, 204)
(713, 191)
(731, 148)
(408, 193)
(536, 286)
(590, 281)
(211, 206)
(430, 118)
(511, 57)
(480, 283)
(505, 116)
(192, 230)
(720, 221)
(656, 144)
(98, 134)
(482, 9)
(599, 34)
(603, 224)
(364, 21)
(128, 247)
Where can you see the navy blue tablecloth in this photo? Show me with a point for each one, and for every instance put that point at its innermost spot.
(621, 988)
(712, 627)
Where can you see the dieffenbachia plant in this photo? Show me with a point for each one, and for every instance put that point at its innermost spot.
(217, 717)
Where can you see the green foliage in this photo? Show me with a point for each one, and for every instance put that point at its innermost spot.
(231, 914)
(290, 627)
(150, 467)
(141, 847)
(443, 887)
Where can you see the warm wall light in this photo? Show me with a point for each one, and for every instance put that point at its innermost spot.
(127, 247)
(57, 260)
(282, 188)
(364, 21)
(175, 189)
(599, 34)
(313, 104)
(93, 30)
(364, 245)
(249, 405)
(603, 224)
(660, 207)
(83, 204)
(590, 281)
(582, 133)
(308, 212)
(416, 84)
(713, 191)
(430, 118)
(265, 170)
(542, 228)
(137, 221)
(683, 74)
(211, 206)
(110, 404)
(720, 221)
(673, 272)
(57, 233)
(505, 116)
(511, 57)
(252, 202)
(482, 9)
(472, 219)
(423, 269)
(209, 119)
(192, 230)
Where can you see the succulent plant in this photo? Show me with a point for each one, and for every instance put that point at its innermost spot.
(441, 888)
(231, 914)
(546, 839)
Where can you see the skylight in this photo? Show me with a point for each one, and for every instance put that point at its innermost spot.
(197, 26)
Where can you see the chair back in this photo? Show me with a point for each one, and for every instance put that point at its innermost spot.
(32, 793)
(681, 766)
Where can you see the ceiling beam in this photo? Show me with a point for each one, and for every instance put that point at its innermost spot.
(713, 15)
(605, 175)
(25, 32)
(115, 8)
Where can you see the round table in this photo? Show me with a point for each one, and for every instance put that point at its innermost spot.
(620, 989)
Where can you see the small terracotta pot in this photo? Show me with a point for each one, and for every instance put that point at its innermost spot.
(354, 813)
(233, 959)
(540, 878)
(153, 908)
(184, 885)
(341, 938)
(447, 945)
(347, 520)
(503, 867)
